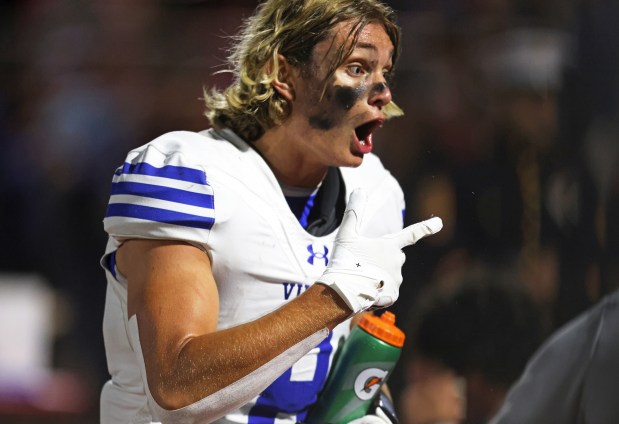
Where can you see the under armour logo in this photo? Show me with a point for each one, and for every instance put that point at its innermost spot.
(317, 255)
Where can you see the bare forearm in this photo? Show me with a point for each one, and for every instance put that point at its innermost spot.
(207, 363)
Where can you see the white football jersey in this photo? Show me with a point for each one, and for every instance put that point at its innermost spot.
(214, 191)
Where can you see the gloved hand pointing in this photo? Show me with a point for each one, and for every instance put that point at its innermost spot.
(365, 271)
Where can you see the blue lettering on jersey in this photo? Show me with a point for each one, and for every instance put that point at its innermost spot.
(288, 396)
(317, 255)
(289, 288)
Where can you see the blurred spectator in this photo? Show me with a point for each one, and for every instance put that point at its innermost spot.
(496, 168)
(465, 347)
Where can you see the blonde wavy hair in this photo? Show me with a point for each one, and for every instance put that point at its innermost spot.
(250, 105)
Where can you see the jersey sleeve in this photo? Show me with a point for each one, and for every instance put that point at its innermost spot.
(160, 195)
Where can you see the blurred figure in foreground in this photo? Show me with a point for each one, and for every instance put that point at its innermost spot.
(573, 376)
(466, 347)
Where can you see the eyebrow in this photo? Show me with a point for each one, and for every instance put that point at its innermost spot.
(370, 46)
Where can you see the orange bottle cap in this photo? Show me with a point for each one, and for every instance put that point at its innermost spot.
(383, 328)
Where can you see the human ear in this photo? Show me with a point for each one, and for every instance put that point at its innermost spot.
(283, 81)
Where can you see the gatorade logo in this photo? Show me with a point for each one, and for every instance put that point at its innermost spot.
(369, 385)
(368, 382)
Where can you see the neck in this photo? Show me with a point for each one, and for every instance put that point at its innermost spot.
(284, 153)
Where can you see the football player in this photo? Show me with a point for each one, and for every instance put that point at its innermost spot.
(238, 255)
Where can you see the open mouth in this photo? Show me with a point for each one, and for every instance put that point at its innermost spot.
(363, 134)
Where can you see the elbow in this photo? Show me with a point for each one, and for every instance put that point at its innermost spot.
(171, 388)
(172, 381)
(169, 395)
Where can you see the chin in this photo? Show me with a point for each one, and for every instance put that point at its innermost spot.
(354, 160)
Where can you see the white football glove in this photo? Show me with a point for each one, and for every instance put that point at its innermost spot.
(371, 419)
(379, 418)
(384, 412)
(367, 272)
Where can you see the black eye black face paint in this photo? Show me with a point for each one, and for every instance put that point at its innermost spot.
(348, 96)
(339, 100)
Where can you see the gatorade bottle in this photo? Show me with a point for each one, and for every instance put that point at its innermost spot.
(363, 365)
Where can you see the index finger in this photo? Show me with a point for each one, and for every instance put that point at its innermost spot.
(415, 232)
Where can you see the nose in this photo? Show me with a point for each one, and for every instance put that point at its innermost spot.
(380, 94)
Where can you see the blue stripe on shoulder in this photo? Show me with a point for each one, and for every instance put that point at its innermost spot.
(164, 193)
(181, 173)
(159, 215)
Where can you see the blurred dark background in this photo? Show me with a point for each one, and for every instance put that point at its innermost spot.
(511, 135)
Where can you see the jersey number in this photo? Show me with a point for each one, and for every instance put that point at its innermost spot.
(290, 394)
